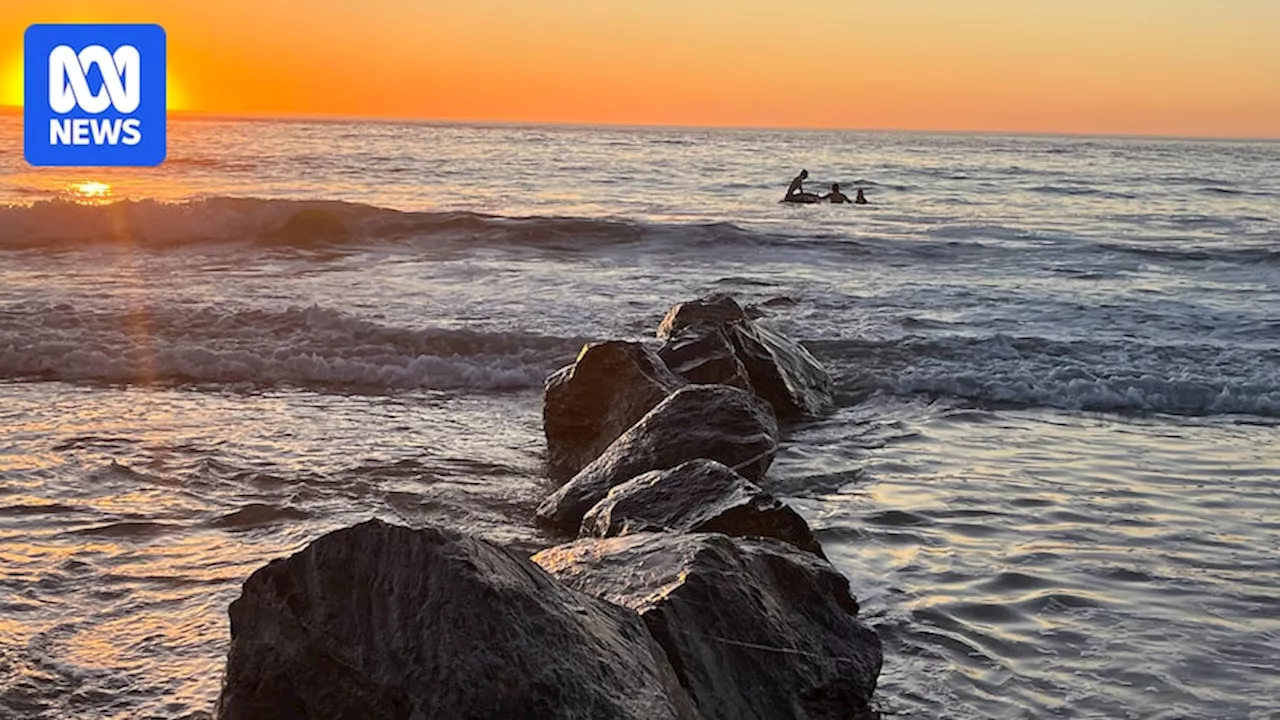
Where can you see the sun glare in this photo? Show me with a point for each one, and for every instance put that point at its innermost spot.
(90, 192)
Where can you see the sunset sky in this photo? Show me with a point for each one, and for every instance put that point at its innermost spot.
(1160, 67)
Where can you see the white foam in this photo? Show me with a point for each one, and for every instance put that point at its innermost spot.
(298, 346)
(1133, 377)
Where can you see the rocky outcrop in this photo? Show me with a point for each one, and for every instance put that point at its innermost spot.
(717, 422)
(755, 628)
(780, 370)
(730, 611)
(379, 621)
(697, 496)
(588, 404)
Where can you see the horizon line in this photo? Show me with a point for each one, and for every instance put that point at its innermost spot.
(197, 115)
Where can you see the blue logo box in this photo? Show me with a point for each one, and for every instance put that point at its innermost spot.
(94, 95)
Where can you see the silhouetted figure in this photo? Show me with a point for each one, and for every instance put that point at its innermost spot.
(860, 199)
(836, 196)
(797, 186)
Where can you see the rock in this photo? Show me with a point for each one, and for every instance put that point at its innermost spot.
(717, 422)
(780, 370)
(717, 309)
(779, 301)
(697, 496)
(380, 621)
(588, 404)
(755, 628)
(707, 357)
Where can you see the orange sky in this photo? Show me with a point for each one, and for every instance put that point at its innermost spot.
(1162, 67)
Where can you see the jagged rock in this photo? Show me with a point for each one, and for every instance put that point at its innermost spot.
(697, 496)
(588, 404)
(717, 309)
(697, 421)
(755, 628)
(705, 357)
(780, 370)
(380, 621)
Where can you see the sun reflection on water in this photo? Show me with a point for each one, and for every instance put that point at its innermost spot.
(90, 192)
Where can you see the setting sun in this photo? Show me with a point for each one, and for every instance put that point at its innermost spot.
(11, 81)
(11, 87)
(174, 97)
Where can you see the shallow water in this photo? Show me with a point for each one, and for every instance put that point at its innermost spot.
(1053, 479)
(1044, 567)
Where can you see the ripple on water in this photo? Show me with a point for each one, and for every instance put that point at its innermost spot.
(1100, 587)
(255, 514)
(118, 560)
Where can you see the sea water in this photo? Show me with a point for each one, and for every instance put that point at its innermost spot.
(1053, 476)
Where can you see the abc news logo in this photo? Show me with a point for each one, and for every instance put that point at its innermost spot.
(94, 95)
(69, 89)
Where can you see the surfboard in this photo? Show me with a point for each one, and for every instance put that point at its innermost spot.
(803, 198)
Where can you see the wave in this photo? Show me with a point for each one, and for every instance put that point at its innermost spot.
(1238, 255)
(962, 239)
(863, 182)
(323, 225)
(255, 514)
(128, 529)
(308, 347)
(1082, 191)
(61, 224)
(1236, 191)
(1073, 375)
(213, 163)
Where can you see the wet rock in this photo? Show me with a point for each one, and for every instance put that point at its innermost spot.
(754, 628)
(717, 422)
(780, 370)
(379, 621)
(717, 309)
(706, 357)
(779, 301)
(697, 496)
(588, 404)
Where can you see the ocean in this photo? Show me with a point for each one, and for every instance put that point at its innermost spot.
(1053, 476)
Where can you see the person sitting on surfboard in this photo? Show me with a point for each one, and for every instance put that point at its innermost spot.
(835, 195)
(797, 185)
(860, 199)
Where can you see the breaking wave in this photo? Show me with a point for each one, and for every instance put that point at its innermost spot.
(1079, 375)
(61, 224)
(298, 346)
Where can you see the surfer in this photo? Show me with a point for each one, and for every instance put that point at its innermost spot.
(836, 196)
(860, 199)
(797, 187)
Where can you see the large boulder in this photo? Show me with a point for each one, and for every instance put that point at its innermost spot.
(717, 422)
(380, 621)
(697, 496)
(780, 370)
(588, 404)
(755, 628)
